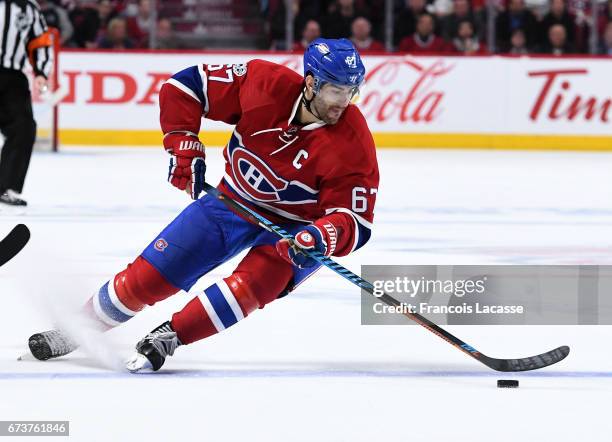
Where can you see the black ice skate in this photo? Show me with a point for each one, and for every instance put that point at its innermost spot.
(152, 350)
(50, 344)
(12, 199)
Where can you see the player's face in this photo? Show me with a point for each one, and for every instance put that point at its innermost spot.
(332, 100)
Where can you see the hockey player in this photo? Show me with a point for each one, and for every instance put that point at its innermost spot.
(300, 154)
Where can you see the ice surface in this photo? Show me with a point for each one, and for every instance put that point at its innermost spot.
(303, 368)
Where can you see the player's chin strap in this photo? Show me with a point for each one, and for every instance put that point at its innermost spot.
(306, 102)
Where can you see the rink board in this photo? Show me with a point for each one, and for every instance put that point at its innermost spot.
(456, 102)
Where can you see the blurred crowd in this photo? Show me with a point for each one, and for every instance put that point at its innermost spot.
(419, 26)
(109, 24)
(447, 26)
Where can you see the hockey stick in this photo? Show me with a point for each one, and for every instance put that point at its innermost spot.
(521, 364)
(13, 243)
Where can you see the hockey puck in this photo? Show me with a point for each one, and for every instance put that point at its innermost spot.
(507, 383)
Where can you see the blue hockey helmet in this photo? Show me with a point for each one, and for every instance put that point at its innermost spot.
(333, 61)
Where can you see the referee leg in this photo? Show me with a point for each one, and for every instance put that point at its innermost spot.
(19, 129)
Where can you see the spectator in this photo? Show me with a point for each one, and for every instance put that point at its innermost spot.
(361, 28)
(518, 43)
(461, 12)
(605, 16)
(557, 43)
(606, 44)
(338, 23)
(516, 16)
(558, 15)
(376, 9)
(481, 6)
(277, 20)
(138, 27)
(166, 37)
(441, 8)
(116, 36)
(423, 40)
(127, 8)
(405, 24)
(106, 12)
(83, 20)
(466, 42)
(311, 31)
(57, 17)
(88, 22)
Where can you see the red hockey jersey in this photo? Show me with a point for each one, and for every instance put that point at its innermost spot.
(315, 173)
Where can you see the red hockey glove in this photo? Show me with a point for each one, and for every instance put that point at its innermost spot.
(187, 164)
(309, 239)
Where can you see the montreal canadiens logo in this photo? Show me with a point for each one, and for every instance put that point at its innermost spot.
(322, 48)
(160, 245)
(239, 69)
(255, 177)
(306, 237)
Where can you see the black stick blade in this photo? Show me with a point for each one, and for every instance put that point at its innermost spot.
(14, 242)
(530, 363)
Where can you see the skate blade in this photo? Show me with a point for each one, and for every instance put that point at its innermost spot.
(138, 364)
